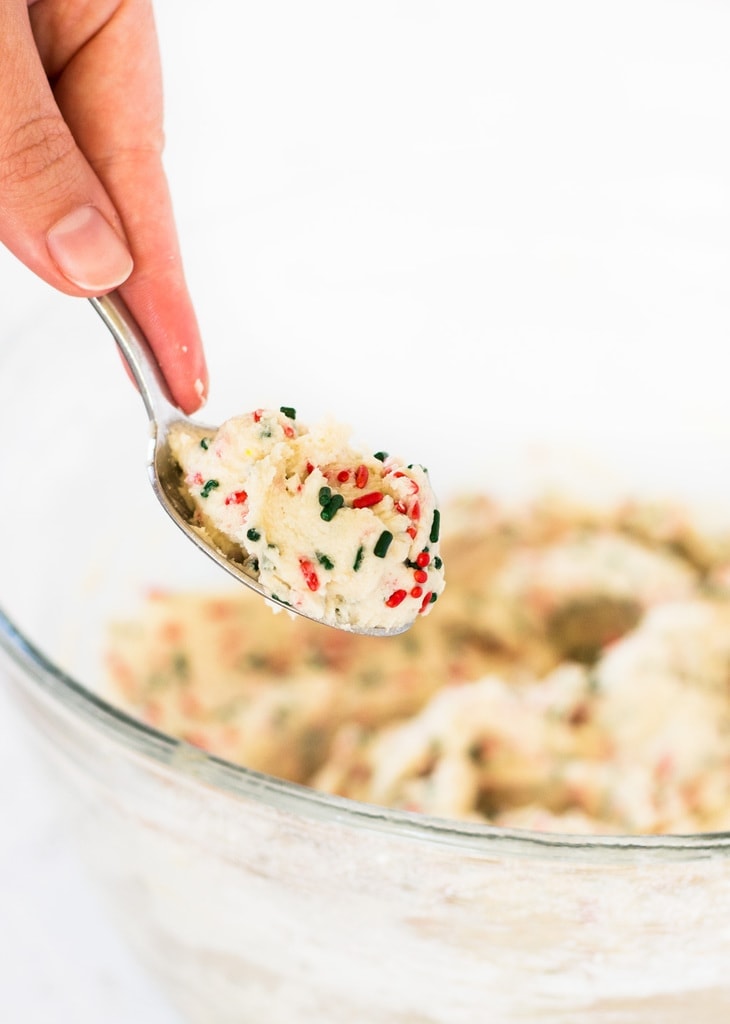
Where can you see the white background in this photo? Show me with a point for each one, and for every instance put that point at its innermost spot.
(489, 170)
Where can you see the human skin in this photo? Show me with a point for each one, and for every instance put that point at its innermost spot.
(84, 201)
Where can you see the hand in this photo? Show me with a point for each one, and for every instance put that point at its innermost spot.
(84, 202)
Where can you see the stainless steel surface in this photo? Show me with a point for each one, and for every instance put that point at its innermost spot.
(164, 473)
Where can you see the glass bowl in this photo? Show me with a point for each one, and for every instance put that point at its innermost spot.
(503, 326)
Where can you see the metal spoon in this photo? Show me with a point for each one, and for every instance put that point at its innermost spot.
(162, 468)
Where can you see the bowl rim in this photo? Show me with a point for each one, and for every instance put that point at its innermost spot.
(67, 695)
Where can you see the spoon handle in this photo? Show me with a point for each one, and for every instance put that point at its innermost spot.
(138, 355)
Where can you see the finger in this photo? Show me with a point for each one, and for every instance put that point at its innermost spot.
(115, 114)
(55, 214)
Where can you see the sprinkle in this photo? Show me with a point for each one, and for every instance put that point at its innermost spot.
(180, 665)
(330, 509)
(428, 599)
(358, 559)
(257, 415)
(325, 493)
(380, 456)
(288, 411)
(236, 498)
(366, 500)
(288, 431)
(412, 532)
(310, 468)
(435, 526)
(204, 442)
(420, 576)
(343, 476)
(400, 506)
(208, 486)
(396, 598)
(416, 591)
(310, 576)
(416, 511)
(325, 561)
(423, 559)
(253, 534)
(382, 544)
(361, 476)
(437, 562)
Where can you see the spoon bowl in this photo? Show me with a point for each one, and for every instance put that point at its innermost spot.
(163, 470)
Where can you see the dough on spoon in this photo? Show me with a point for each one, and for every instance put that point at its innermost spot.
(338, 534)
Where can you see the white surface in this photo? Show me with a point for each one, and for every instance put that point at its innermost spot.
(61, 961)
(508, 169)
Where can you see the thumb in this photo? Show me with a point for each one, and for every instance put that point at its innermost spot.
(55, 215)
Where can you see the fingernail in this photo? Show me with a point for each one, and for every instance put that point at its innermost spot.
(88, 251)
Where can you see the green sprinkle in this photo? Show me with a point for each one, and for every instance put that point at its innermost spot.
(207, 487)
(330, 509)
(204, 442)
(437, 562)
(382, 544)
(358, 558)
(434, 597)
(325, 494)
(181, 666)
(380, 456)
(435, 526)
(325, 561)
(253, 534)
(288, 411)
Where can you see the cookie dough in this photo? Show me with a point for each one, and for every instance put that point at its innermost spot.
(330, 530)
(573, 678)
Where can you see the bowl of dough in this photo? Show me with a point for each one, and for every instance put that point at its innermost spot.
(517, 809)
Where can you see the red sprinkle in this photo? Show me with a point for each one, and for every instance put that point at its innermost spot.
(236, 498)
(416, 510)
(195, 739)
(373, 498)
(425, 603)
(310, 468)
(416, 591)
(412, 531)
(288, 431)
(310, 576)
(423, 559)
(361, 476)
(343, 475)
(420, 576)
(257, 415)
(396, 598)
(400, 506)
